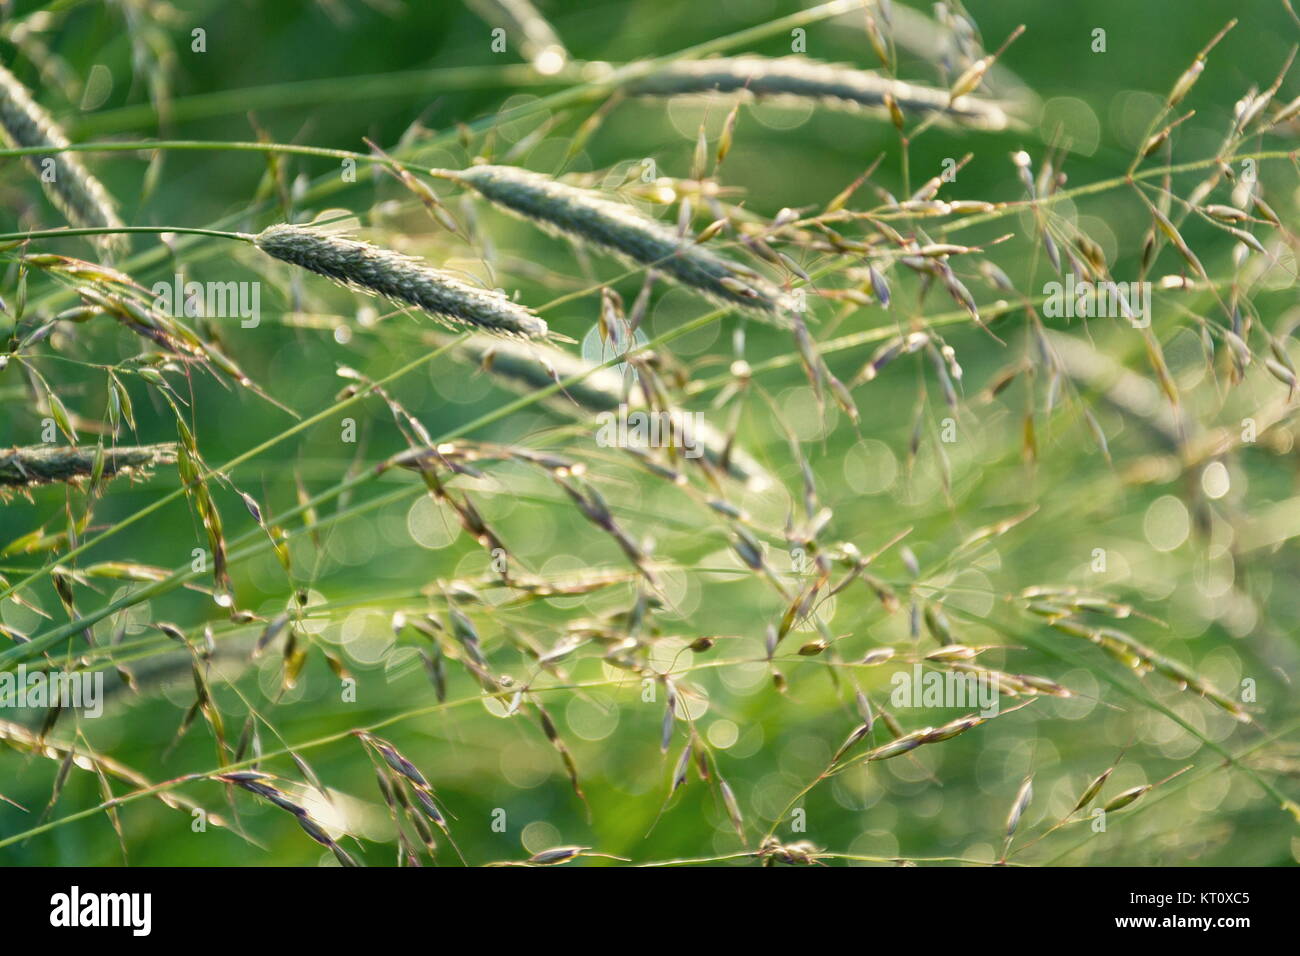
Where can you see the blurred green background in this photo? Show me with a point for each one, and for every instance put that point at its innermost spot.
(1219, 573)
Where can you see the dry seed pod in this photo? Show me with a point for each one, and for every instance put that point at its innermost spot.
(854, 736)
(733, 808)
(1023, 796)
(404, 279)
(900, 745)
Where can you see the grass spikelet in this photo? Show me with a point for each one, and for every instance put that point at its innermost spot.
(43, 464)
(590, 217)
(1127, 797)
(404, 777)
(79, 196)
(257, 784)
(794, 77)
(1018, 806)
(1091, 791)
(557, 855)
(170, 333)
(530, 367)
(404, 279)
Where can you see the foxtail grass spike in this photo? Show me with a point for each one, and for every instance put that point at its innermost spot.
(79, 196)
(44, 464)
(794, 77)
(590, 217)
(404, 279)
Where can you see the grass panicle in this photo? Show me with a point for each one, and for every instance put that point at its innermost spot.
(528, 366)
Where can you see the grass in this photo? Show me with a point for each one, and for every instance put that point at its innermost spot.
(343, 522)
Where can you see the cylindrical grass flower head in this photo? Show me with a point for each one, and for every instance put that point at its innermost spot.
(590, 217)
(79, 196)
(794, 77)
(403, 279)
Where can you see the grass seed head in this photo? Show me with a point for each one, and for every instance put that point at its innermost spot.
(79, 196)
(592, 218)
(795, 77)
(42, 465)
(403, 279)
